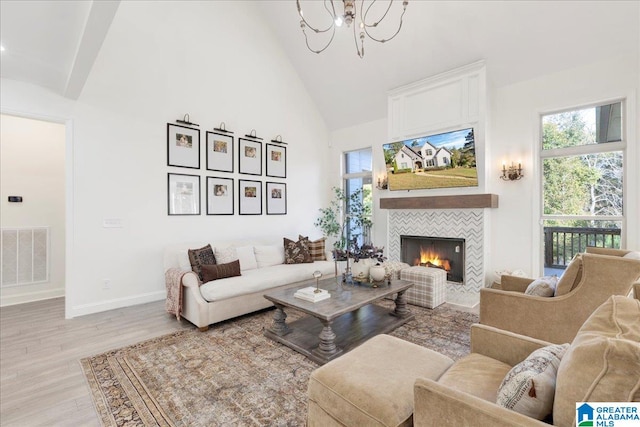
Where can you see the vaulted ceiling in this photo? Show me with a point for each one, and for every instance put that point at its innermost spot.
(54, 43)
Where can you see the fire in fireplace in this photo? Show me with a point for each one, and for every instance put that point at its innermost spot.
(435, 252)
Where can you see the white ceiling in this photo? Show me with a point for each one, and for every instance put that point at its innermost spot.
(54, 43)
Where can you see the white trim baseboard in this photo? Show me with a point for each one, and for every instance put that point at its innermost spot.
(26, 297)
(97, 307)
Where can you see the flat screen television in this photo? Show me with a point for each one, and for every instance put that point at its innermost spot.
(443, 160)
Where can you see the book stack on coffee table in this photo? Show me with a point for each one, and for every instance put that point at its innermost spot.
(312, 294)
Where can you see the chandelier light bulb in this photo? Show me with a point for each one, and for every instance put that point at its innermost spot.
(338, 21)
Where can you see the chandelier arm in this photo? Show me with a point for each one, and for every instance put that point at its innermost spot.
(390, 38)
(359, 49)
(311, 26)
(306, 39)
(363, 17)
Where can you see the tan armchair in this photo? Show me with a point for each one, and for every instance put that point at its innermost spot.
(589, 280)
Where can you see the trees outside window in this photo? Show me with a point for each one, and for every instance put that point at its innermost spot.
(582, 159)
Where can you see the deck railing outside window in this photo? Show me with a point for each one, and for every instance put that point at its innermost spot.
(562, 243)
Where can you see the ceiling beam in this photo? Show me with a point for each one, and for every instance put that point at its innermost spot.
(95, 31)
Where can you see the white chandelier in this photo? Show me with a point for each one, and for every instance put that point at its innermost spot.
(349, 15)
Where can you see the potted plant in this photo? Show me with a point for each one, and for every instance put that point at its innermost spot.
(343, 217)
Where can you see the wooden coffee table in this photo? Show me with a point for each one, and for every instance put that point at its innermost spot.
(340, 323)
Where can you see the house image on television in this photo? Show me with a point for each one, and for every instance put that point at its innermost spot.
(422, 157)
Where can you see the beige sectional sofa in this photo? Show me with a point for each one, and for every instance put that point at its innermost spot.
(416, 386)
(262, 270)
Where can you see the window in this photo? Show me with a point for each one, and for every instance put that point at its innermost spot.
(582, 160)
(358, 180)
(429, 152)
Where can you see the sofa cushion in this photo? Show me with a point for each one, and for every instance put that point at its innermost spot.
(267, 256)
(225, 255)
(476, 374)
(263, 279)
(542, 287)
(571, 276)
(530, 386)
(199, 257)
(247, 258)
(603, 361)
(220, 271)
(316, 248)
(296, 252)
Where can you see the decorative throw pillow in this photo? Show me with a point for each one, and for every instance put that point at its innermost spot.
(247, 258)
(571, 276)
(199, 257)
(632, 255)
(220, 271)
(267, 256)
(530, 386)
(226, 255)
(296, 252)
(316, 248)
(542, 287)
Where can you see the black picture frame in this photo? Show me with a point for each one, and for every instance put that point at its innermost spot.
(249, 157)
(250, 197)
(220, 196)
(220, 149)
(276, 194)
(276, 161)
(183, 194)
(183, 146)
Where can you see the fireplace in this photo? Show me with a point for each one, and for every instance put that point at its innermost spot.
(435, 252)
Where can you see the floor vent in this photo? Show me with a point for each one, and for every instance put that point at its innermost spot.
(25, 256)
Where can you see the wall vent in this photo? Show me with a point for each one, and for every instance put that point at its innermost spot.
(25, 256)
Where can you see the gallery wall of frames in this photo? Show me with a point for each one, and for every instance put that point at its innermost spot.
(225, 193)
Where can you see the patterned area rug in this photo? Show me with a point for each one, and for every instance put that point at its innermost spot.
(232, 375)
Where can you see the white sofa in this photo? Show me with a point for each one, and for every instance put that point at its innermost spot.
(234, 296)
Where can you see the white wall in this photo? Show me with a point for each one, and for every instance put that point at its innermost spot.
(515, 135)
(512, 134)
(32, 165)
(156, 65)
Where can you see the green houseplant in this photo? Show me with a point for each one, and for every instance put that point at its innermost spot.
(343, 217)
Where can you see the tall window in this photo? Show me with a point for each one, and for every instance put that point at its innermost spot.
(358, 179)
(582, 160)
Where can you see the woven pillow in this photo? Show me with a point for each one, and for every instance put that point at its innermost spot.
(296, 252)
(199, 257)
(530, 386)
(226, 255)
(316, 248)
(542, 287)
(220, 271)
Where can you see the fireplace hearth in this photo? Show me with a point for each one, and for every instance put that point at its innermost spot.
(435, 252)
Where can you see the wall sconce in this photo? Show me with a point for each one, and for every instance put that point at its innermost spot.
(511, 173)
(383, 182)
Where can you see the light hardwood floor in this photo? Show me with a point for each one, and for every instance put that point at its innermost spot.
(41, 382)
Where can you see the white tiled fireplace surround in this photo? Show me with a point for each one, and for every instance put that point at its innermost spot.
(465, 224)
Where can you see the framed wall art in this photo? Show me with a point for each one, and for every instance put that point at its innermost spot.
(250, 196)
(183, 194)
(276, 161)
(276, 193)
(219, 196)
(183, 146)
(219, 152)
(250, 156)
